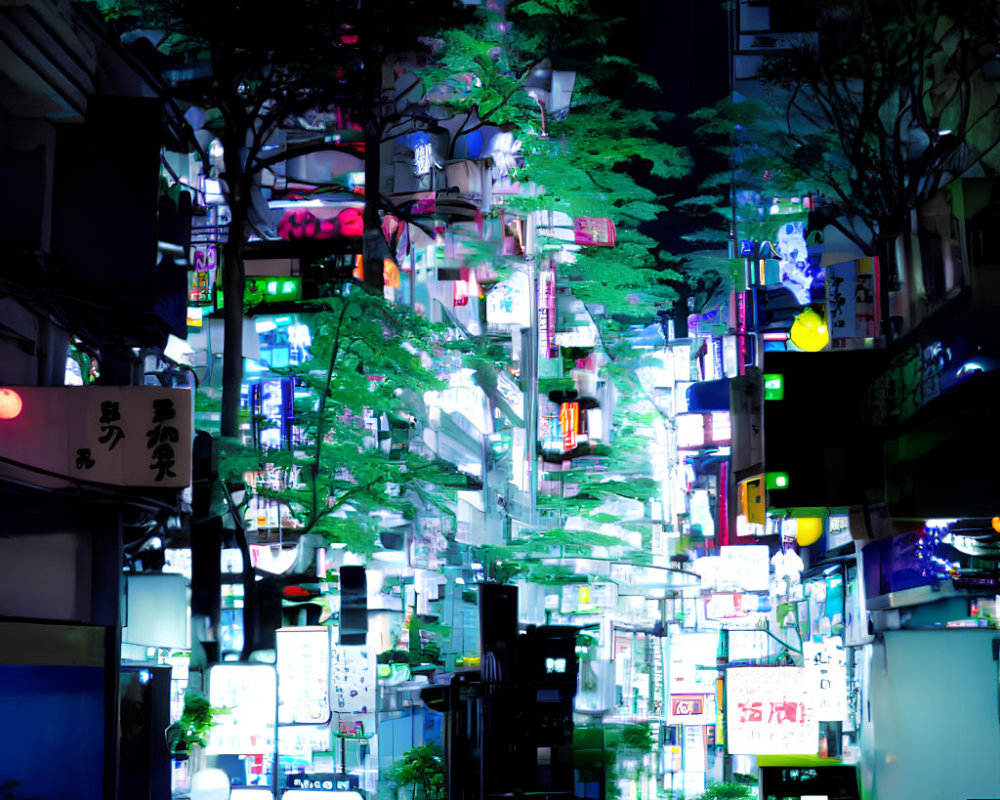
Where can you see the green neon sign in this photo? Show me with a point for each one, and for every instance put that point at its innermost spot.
(776, 480)
(774, 386)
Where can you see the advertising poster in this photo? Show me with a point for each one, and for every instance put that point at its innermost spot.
(768, 712)
(352, 676)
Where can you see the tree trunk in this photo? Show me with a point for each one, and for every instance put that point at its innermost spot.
(233, 285)
(373, 245)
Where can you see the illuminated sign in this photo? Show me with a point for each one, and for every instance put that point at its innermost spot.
(352, 676)
(744, 566)
(423, 158)
(507, 303)
(767, 712)
(825, 664)
(121, 435)
(776, 480)
(692, 658)
(249, 692)
(569, 420)
(774, 387)
(303, 662)
(200, 288)
(267, 290)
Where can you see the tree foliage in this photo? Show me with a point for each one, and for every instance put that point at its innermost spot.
(370, 364)
(421, 768)
(223, 71)
(886, 104)
(592, 159)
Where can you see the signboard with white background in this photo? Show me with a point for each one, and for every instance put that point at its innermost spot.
(249, 691)
(768, 712)
(826, 678)
(692, 658)
(303, 662)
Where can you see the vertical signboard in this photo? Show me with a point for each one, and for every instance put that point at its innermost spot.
(767, 712)
(249, 691)
(569, 421)
(695, 759)
(691, 688)
(826, 678)
(303, 661)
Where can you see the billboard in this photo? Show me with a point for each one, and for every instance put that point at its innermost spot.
(768, 712)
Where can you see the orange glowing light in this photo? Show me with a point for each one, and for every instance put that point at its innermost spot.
(10, 404)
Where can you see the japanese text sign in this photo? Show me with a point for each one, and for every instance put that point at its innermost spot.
(120, 435)
(767, 712)
(131, 436)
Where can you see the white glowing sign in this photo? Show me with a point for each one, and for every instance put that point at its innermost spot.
(423, 158)
(692, 656)
(744, 566)
(352, 675)
(249, 691)
(768, 712)
(690, 430)
(303, 661)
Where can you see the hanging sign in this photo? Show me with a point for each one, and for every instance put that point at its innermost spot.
(569, 419)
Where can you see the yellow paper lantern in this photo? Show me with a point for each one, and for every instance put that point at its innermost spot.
(809, 331)
(808, 530)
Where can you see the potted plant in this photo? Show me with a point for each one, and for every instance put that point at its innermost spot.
(187, 735)
(423, 769)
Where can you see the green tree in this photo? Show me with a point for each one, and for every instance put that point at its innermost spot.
(593, 158)
(369, 361)
(251, 79)
(422, 768)
(888, 102)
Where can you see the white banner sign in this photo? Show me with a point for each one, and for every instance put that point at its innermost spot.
(767, 712)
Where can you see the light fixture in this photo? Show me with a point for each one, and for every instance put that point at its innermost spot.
(809, 331)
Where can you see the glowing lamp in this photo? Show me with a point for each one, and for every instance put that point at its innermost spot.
(10, 404)
(809, 332)
(995, 522)
(808, 530)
